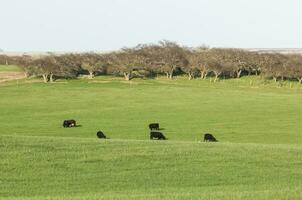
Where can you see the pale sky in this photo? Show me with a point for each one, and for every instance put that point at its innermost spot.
(84, 25)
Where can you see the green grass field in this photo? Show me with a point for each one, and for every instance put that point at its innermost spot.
(257, 123)
(9, 68)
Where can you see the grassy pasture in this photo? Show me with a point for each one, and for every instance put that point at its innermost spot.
(78, 168)
(10, 72)
(9, 68)
(232, 110)
(256, 122)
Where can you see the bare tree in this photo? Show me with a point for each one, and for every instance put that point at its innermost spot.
(202, 61)
(274, 66)
(253, 60)
(218, 63)
(42, 68)
(294, 67)
(4, 60)
(47, 67)
(93, 63)
(167, 56)
(125, 62)
(195, 63)
(25, 62)
(70, 65)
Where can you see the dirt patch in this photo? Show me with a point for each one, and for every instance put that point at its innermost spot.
(9, 76)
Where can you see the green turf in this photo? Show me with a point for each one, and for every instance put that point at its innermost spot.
(9, 68)
(232, 110)
(70, 168)
(257, 123)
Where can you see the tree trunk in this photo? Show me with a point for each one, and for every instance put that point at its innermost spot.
(205, 74)
(275, 79)
(300, 80)
(45, 78)
(202, 74)
(239, 73)
(91, 74)
(51, 77)
(171, 74)
(26, 74)
(190, 76)
(216, 76)
(127, 76)
(6, 62)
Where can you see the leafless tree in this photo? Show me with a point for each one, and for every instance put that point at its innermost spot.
(93, 63)
(167, 56)
(195, 63)
(125, 62)
(25, 63)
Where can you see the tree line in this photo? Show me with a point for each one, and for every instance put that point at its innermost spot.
(164, 58)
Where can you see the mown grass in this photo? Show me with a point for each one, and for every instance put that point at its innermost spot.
(257, 123)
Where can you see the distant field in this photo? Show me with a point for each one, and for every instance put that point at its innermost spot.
(257, 123)
(10, 72)
(9, 68)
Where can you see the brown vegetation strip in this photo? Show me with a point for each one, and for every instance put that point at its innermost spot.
(9, 76)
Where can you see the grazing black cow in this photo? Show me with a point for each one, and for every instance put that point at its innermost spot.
(157, 135)
(209, 138)
(69, 123)
(153, 126)
(101, 135)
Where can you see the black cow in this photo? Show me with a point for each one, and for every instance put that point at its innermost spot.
(209, 138)
(69, 123)
(157, 135)
(101, 135)
(153, 126)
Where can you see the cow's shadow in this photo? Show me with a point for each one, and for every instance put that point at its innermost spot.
(160, 129)
(77, 126)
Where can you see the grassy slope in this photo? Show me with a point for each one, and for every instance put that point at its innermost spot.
(74, 168)
(10, 72)
(72, 163)
(232, 110)
(9, 68)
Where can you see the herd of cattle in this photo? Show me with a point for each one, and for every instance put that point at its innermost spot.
(154, 132)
